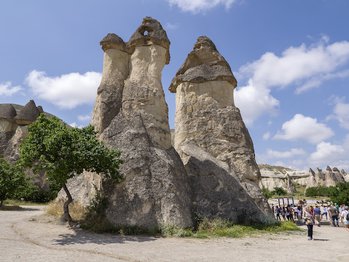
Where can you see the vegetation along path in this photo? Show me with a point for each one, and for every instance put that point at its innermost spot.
(27, 235)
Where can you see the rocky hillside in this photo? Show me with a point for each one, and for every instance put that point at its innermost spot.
(278, 176)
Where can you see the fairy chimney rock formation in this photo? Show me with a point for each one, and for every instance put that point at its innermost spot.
(115, 71)
(143, 91)
(14, 120)
(155, 190)
(212, 140)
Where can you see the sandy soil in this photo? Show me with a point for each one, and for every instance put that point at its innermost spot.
(26, 236)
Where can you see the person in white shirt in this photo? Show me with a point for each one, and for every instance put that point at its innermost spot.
(345, 216)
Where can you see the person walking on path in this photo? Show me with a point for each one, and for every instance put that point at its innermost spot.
(317, 215)
(309, 221)
(324, 212)
(345, 215)
(334, 215)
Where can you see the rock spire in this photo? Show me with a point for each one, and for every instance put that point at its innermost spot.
(212, 140)
(155, 190)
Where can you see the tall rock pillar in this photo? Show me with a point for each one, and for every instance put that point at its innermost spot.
(115, 71)
(212, 140)
(143, 90)
(155, 190)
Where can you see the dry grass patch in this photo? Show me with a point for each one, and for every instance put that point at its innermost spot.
(77, 211)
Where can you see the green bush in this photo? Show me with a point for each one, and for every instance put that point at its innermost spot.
(340, 193)
(318, 191)
(279, 191)
(267, 193)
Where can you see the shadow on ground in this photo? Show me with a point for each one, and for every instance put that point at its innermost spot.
(321, 239)
(18, 208)
(82, 237)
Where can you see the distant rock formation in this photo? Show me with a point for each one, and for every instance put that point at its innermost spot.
(288, 179)
(213, 141)
(13, 127)
(131, 114)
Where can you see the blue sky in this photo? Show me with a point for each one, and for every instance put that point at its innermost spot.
(291, 60)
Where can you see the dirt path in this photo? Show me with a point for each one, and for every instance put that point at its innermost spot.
(23, 238)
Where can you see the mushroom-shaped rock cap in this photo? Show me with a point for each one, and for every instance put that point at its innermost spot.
(28, 114)
(203, 64)
(150, 32)
(8, 112)
(328, 168)
(112, 41)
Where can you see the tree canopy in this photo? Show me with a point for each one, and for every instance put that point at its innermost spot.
(11, 178)
(64, 152)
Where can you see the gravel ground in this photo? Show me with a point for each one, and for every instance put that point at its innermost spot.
(27, 235)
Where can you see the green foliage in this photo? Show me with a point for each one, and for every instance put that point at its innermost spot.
(279, 191)
(95, 219)
(64, 152)
(340, 193)
(267, 193)
(318, 191)
(11, 178)
(337, 194)
(222, 228)
(34, 193)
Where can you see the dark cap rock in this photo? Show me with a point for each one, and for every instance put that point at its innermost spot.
(8, 112)
(148, 33)
(113, 41)
(203, 64)
(28, 114)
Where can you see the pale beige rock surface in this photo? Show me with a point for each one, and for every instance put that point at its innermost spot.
(207, 120)
(155, 189)
(289, 179)
(115, 71)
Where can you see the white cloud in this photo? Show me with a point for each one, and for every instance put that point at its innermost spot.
(75, 125)
(197, 6)
(303, 67)
(254, 101)
(6, 89)
(84, 118)
(327, 154)
(341, 114)
(65, 91)
(304, 128)
(285, 154)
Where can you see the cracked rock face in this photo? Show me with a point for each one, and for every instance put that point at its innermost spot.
(207, 120)
(131, 115)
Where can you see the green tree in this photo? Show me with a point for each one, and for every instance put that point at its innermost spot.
(267, 193)
(279, 191)
(11, 178)
(340, 193)
(65, 152)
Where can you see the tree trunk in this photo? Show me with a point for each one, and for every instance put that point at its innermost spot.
(1, 202)
(66, 215)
